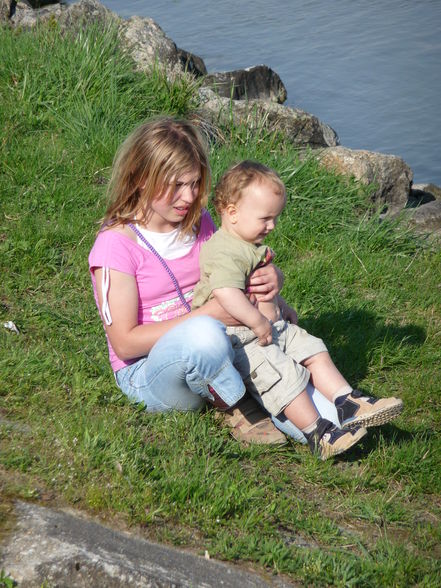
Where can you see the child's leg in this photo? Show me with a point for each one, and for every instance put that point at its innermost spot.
(326, 377)
(302, 412)
(323, 437)
(353, 407)
(324, 407)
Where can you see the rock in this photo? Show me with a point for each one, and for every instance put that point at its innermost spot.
(5, 10)
(64, 548)
(390, 175)
(86, 11)
(418, 197)
(41, 3)
(148, 44)
(426, 218)
(10, 10)
(90, 11)
(257, 82)
(430, 191)
(192, 63)
(301, 128)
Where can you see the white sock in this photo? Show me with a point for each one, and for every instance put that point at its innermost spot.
(347, 389)
(311, 427)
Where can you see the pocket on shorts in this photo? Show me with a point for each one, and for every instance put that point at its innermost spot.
(257, 372)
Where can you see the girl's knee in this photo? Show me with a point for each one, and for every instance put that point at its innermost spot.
(208, 335)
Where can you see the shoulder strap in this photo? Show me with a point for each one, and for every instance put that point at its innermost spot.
(164, 265)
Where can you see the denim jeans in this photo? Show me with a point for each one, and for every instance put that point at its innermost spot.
(175, 375)
(184, 362)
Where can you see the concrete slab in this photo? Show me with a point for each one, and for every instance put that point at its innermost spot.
(66, 550)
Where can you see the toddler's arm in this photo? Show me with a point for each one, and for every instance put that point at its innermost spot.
(234, 301)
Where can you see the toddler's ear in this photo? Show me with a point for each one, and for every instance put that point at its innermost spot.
(231, 213)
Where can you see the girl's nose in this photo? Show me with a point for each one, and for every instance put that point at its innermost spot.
(189, 193)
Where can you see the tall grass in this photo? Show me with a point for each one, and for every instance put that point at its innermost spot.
(369, 288)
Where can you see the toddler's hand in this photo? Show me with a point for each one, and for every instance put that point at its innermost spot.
(263, 331)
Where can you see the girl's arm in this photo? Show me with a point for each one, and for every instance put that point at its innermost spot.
(129, 339)
(288, 313)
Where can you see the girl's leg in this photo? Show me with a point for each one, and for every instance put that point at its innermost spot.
(189, 365)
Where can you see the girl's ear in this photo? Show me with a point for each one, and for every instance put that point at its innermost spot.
(231, 212)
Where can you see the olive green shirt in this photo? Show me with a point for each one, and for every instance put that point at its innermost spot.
(226, 261)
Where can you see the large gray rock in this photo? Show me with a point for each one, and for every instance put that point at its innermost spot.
(90, 11)
(300, 128)
(390, 175)
(86, 11)
(15, 12)
(5, 10)
(257, 82)
(192, 63)
(426, 218)
(148, 44)
(67, 549)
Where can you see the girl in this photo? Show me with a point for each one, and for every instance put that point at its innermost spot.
(144, 265)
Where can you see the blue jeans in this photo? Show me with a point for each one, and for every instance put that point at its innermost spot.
(181, 366)
(184, 362)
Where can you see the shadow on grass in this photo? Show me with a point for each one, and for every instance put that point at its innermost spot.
(390, 434)
(357, 338)
(387, 435)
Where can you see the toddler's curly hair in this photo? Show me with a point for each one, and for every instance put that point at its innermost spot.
(237, 178)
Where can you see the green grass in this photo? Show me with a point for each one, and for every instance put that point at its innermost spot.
(371, 289)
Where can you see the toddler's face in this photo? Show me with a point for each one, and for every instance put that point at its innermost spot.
(257, 211)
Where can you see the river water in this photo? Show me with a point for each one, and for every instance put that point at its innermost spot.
(371, 70)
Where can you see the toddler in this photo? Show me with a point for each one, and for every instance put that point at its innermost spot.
(275, 358)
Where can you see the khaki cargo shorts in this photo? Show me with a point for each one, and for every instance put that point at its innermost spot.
(274, 372)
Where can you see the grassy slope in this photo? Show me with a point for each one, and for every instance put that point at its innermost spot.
(369, 289)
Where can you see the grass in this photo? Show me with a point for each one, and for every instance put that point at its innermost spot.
(371, 289)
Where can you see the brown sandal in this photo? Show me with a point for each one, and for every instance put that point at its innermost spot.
(251, 424)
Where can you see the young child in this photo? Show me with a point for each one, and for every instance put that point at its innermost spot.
(275, 358)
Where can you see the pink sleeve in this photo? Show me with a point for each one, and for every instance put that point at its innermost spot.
(113, 251)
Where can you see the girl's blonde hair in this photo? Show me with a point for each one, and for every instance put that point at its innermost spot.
(149, 163)
(237, 178)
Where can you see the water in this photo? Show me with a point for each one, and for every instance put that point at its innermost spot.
(371, 70)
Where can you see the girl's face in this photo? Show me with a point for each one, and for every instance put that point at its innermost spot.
(168, 211)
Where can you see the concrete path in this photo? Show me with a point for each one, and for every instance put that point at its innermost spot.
(63, 549)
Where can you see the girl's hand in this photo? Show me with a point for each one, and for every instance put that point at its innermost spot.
(265, 282)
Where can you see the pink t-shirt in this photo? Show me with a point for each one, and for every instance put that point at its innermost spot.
(157, 297)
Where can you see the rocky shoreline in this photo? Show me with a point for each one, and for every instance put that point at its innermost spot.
(254, 96)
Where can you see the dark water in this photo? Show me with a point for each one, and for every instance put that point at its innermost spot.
(371, 70)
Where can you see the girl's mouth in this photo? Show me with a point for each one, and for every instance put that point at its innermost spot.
(181, 210)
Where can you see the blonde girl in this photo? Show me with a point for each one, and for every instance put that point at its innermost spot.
(144, 265)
